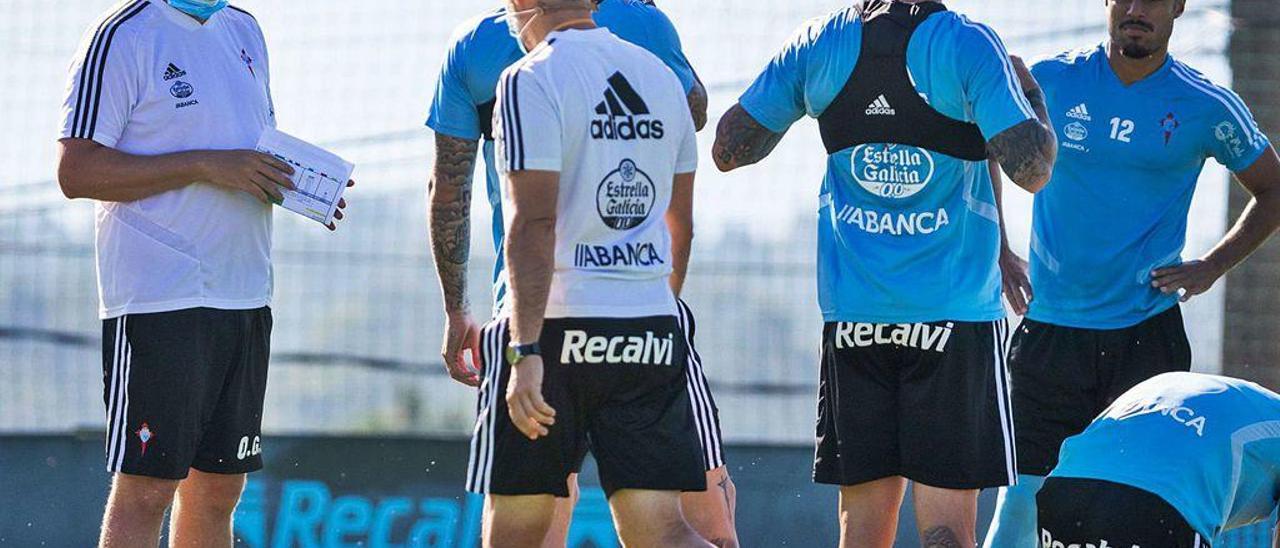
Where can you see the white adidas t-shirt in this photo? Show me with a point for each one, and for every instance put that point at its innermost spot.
(148, 80)
(613, 120)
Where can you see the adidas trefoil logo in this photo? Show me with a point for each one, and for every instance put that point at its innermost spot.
(173, 72)
(623, 115)
(880, 107)
(1080, 112)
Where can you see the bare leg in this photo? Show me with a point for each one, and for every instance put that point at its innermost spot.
(518, 521)
(558, 536)
(711, 512)
(652, 519)
(202, 511)
(869, 513)
(135, 511)
(946, 518)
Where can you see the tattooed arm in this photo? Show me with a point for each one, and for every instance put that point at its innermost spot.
(741, 140)
(698, 105)
(449, 218)
(1028, 150)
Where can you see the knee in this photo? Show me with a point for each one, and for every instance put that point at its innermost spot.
(212, 496)
(677, 532)
(517, 530)
(141, 495)
(518, 521)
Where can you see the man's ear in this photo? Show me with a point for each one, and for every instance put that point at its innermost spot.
(1179, 6)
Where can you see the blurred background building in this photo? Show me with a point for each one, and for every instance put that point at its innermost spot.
(358, 315)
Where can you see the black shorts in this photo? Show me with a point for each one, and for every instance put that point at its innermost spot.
(924, 401)
(706, 414)
(184, 389)
(1086, 512)
(618, 387)
(1063, 377)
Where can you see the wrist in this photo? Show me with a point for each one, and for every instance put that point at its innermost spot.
(1217, 263)
(518, 352)
(200, 165)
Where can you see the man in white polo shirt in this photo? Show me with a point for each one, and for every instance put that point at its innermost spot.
(165, 103)
(597, 153)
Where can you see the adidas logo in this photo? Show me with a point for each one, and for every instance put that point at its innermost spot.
(616, 114)
(880, 107)
(173, 72)
(1081, 112)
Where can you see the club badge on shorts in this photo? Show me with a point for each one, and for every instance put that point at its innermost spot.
(144, 434)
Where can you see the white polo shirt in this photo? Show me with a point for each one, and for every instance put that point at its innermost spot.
(614, 121)
(149, 80)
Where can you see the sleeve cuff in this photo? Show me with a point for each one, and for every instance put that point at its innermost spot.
(759, 114)
(1004, 125)
(103, 139)
(453, 131)
(1247, 162)
(541, 164)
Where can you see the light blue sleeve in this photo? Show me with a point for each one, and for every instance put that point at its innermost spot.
(453, 112)
(664, 42)
(777, 97)
(1235, 140)
(991, 86)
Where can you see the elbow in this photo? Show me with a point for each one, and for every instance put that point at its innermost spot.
(1037, 173)
(724, 162)
(70, 181)
(1036, 183)
(1034, 180)
(523, 225)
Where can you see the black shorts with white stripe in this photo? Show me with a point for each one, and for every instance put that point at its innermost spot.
(1089, 512)
(706, 414)
(618, 386)
(926, 401)
(185, 389)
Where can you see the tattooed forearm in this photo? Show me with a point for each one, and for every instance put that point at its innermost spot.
(698, 106)
(741, 140)
(1028, 150)
(940, 537)
(449, 217)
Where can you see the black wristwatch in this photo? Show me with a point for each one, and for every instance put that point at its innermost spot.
(517, 352)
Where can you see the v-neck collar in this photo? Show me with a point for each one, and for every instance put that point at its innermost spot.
(1109, 73)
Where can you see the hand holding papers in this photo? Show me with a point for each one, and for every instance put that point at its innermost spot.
(319, 176)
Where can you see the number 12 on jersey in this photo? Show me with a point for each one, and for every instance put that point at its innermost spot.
(1120, 129)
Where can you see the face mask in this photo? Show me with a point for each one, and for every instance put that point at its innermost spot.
(513, 26)
(201, 9)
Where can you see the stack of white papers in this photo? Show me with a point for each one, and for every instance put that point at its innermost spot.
(319, 176)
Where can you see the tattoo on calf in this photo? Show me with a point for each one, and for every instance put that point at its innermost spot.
(941, 537)
(728, 501)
